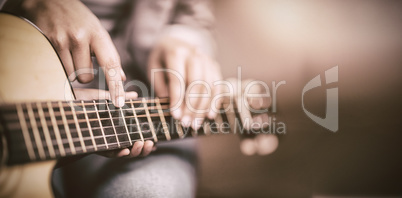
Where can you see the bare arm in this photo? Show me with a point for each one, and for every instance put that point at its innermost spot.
(76, 34)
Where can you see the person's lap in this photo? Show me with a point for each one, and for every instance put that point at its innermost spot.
(168, 172)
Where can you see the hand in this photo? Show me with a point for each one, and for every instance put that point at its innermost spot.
(75, 33)
(254, 143)
(185, 65)
(262, 144)
(139, 147)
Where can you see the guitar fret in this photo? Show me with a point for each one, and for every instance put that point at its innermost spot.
(52, 129)
(89, 126)
(242, 116)
(151, 125)
(231, 118)
(125, 126)
(194, 133)
(219, 123)
(67, 129)
(165, 128)
(45, 130)
(77, 126)
(136, 120)
(25, 132)
(114, 129)
(179, 130)
(35, 130)
(56, 129)
(207, 128)
(100, 125)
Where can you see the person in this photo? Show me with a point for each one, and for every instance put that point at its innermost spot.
(144, 36)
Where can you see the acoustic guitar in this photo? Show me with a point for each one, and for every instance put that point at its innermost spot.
(41, 121)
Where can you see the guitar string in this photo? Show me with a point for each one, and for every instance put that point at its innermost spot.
(54, 143)
(98, 137)
(129, 110)
(54, 104)
(77, 108)
(74, 129)
(91, 102)
(79, 112)
(83, 121)
(120, 134)
(97, 102)
(77, 140)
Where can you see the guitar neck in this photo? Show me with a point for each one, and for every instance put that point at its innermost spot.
(39, 131)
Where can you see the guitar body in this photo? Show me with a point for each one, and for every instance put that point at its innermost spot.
(30, 70)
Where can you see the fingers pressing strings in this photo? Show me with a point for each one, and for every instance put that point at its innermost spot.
(195, 100)
(216, 101)
(177, 84)
(157, 75)
(109, 60)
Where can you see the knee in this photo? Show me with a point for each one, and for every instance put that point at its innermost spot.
(154, 176)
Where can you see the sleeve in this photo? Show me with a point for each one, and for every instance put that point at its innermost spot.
(189, 20)
(192, 21)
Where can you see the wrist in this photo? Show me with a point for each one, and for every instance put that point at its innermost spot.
(200, 39)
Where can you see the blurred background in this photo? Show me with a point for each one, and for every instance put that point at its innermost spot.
(294, 41)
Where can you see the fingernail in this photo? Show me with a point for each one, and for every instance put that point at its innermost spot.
(120, 101)
(186, 121)
(132, 95)
(123, 75)
(138, 147)
(125, 152)
(176, 114)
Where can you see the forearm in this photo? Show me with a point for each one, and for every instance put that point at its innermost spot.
(193, 23)
(152, 21)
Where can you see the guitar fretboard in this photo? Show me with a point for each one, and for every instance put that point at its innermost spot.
(39, 131)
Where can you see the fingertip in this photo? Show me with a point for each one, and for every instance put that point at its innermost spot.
(123, 75)
(186, 121)
(123, 152)
(147, 147)
(267, 144)
(116, 90)
(132, 95)
(137, 148)
(248, 147)
(119, 101)
(211, 114)
(176, 114)
(139, 145)
(197, 123)
(148, 144)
